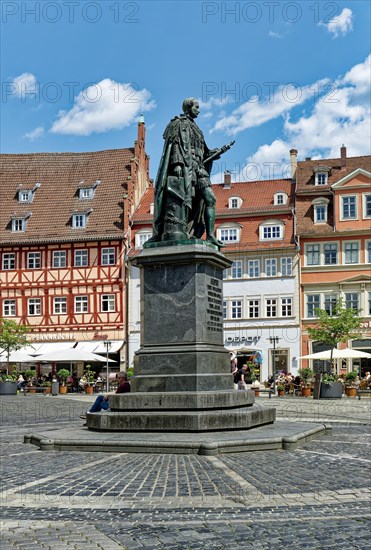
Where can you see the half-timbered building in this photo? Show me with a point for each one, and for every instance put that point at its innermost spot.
(64, 242)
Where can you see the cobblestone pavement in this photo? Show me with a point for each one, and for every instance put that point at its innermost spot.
(315, 497)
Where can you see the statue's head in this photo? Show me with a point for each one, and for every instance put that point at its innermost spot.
(191, 107)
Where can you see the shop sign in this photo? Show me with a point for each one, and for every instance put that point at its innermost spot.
(242, 339)
(54, 336)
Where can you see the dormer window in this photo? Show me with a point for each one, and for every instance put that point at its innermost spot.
(271, 230)
(79, 221)
(320, 207)
(24, 196)
(86, 193)
(280, 198)
(321, 174)
(18, 225)
(234, 202)
(229, 233)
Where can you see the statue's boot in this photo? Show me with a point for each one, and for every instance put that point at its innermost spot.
(210, 224)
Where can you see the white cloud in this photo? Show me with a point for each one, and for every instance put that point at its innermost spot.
(257, 110)
(341, 24)
(273, 34)
(104, 106)
(24, 85)
(340, 116)
(35, 134)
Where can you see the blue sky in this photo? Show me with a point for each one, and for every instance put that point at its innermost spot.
(270, 75)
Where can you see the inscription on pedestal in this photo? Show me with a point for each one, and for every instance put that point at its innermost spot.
(214, 322)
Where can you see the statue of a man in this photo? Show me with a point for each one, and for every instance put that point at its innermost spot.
(184, 199)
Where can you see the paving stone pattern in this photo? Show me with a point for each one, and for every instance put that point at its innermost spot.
(315, 497)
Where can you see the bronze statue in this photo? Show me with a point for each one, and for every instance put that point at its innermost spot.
(184, 199)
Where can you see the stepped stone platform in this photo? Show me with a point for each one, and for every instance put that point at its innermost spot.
(278, 436)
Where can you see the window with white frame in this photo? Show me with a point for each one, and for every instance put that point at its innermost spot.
(321, 178)
(253, 309)
(225, 310)
(18, 225)
(320, 213)
(108, 302)
(271, 232)
(330, 301)
(108, 256)
(34, 306)
(81, 258)
(254, 268)
(313, 303)
(351, 252)
(59, 258)
(8, 261)
(271, 267)
(286, 307)
(369, 304)
(81, 304)
(280, 198)
(330, 253)
(352, 300)
(228, 235)
(34, 260)
(349, 207)
(313, 254)
(79, 221)
(286, 266)
(24, 196)
(141, 238)
(367, 205)
(271, 307)
(60, 306)
(236, 269)
(86, 193)
(368, 252)
(9, 308)
(236, 309)
(234, 202)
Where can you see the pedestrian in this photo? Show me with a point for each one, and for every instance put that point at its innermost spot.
(102, 401)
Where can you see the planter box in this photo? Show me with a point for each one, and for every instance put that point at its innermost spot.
(333, 391)
(305, 392)
(63, 389)
(351, 392)
(8, 388)
(89, 389)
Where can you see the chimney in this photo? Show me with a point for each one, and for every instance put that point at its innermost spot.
(141, 130)
(227, 180)
(343, 157)
(294, 162)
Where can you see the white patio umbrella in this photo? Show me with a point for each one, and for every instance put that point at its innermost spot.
(346, 353)
(72, 355)
(17, 357)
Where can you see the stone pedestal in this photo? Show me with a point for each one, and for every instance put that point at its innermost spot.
(182, 379)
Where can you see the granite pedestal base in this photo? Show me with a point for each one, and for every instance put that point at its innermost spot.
(182, 412)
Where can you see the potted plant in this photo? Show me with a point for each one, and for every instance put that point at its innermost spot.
(306, 376)
(48, 387)
(350, 388)
(281, 390)
(90, 379)
(63, 374)
(331, 388)
(8, 384)
(30, 375)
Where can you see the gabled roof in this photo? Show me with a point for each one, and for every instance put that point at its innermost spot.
(54, 202)
(305, 172)
(348, 177)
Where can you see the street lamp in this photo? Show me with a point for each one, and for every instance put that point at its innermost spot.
(274, 340)
(107, 343)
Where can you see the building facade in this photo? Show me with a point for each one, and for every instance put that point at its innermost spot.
(64, 243)
(333, 204)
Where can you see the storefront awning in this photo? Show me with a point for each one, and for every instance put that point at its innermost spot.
(98, 346)
(47, 347)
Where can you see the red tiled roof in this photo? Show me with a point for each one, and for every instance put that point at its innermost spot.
(60, 175)
(305, 174)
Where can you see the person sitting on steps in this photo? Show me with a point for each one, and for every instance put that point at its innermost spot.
(102, 401)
